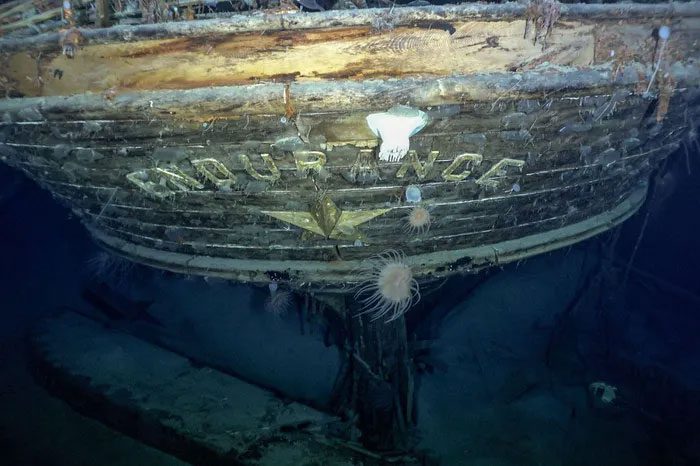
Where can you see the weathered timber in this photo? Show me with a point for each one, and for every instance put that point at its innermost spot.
(207, 146)
(160, 398)
(207, 104)
(382, 382)
(335, 275)
(438, 15)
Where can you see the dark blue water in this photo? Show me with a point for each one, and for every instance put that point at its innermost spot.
(505, 373)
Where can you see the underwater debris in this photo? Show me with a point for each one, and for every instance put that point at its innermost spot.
(542, 14)
(6, 87)
(667, 86)
(153, 11)
(110, 94)
(310, 5)
(115, 306)
(388, 288)
(68, 13)
(70, 42)
(603, 392)
(289, 110)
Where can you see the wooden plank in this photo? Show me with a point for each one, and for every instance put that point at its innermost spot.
(206, 105)
(331, 274)
(85, 182)
(336, 127)
(434, 14)
(258, 241)
(195, 413)
(223, 214)
(334, 53)
(124, 147)
(416, 49)
(15, 7)
(34, 19)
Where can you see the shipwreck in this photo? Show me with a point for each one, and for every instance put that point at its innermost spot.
(309, 151)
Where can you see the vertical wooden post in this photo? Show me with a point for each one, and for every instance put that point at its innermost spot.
(377, 389)
(382, 382)
(103, 11)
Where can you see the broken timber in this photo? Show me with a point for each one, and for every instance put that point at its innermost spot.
(195, 413)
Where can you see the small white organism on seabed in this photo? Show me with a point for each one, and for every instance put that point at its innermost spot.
(606, 393)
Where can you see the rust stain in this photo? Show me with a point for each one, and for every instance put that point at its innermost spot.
(243, 44)
(179, 45)
(289, 111)
(433, 25)
(667, 86)
(276, 78)
(354, 73)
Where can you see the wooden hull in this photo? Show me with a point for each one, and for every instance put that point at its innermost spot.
(527, 147)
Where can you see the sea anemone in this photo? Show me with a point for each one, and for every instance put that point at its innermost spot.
(418, 220)
(279, 301)
(110, 268)
(388, 287)
(395, 127)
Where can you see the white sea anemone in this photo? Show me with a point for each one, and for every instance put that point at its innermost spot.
(388, 287)
(279, 301)
(395, 127)
(418, 220)
(109, 267)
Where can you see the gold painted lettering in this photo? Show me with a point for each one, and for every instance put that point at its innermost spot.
(159, 182)
(468, 159)
(365, 167)
(421, 169)
(494, 177)
(269, 163)
(309, 160)
(216, 172)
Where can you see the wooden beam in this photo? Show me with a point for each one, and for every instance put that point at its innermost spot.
(103, 11)
(12, 8)
(430, 16)
(318, 96)
(39, 18)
